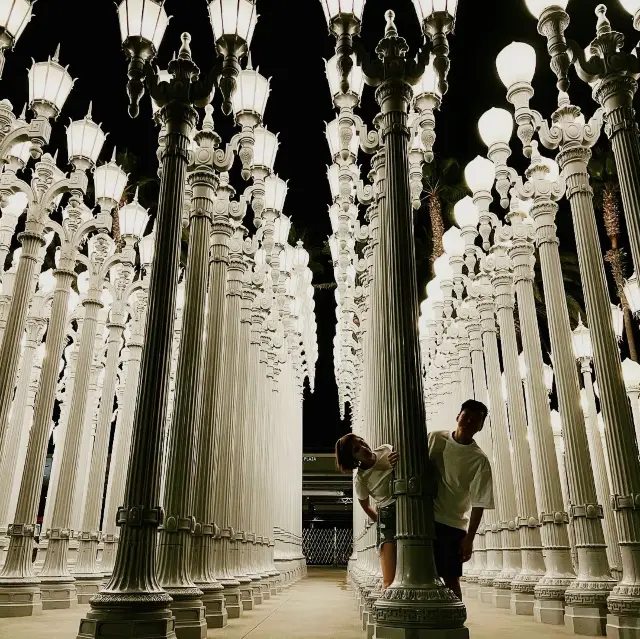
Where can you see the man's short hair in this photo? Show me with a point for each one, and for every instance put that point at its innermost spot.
(475, 405)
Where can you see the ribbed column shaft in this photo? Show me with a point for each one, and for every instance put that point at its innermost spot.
(16, 318)
(18, 567)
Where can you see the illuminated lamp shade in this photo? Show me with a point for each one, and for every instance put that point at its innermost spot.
(547, 376)
(434, 292)
(133, 219)
(251, 93)
(233, 18)
(554, 169)
(109, 181)
(496, 126)
(453, 242)
(631, 374)
(275, 192)
(334, 211)
(355, 77)
(16, 204)
(46, 282)
(146, 248)
(538, 7)
(333, 247)
(82, 281)
(632, 293)
(163, 76)
(144, 19)
(428, 83)
(426, 8)
(617, 317)
(301, 258)
(334, 181)
(333, 8)
(265, 147)
(282, 226)
(480, 174)
(333, 138)
(260, 257)
(516, 64)
(14, 17)
(20, 151)
(442, 268)
(556, 422)
(84, 140)
(466, 213)
(49, 86)
(287, 260)
(581, 337)
(631, 6)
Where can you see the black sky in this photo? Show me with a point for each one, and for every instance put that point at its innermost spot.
(289, 45)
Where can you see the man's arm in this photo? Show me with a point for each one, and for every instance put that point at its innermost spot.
(466, 545)
(366, 506)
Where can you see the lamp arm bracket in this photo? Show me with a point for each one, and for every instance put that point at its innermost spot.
(372, 69)
(222, 159)
(587, 70)
(550, 136)
(593, 127)
(84, 260)
(369, 139)
(204, 88)
(55, 227)
(364, 192)
(237, 210)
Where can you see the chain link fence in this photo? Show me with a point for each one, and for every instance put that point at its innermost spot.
(327, 546)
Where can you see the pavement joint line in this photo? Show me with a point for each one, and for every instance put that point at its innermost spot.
(268, 616)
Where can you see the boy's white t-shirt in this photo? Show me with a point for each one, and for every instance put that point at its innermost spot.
(376, 481)
(464, 479)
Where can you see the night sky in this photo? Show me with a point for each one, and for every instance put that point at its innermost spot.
(289, 45)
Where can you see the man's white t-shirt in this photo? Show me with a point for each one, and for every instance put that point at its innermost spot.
(464, 479)
(376, 481)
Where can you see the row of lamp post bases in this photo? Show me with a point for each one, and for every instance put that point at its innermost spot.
(564, 548)
(199, 521)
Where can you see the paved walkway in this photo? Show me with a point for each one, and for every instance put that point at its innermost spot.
(319, 607)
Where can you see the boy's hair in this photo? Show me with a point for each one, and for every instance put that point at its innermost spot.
(344, 456)
(475, 405)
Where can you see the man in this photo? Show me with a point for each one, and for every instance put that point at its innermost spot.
(465, 489)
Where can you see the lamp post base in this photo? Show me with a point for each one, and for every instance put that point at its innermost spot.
(246, 593)
(87, 587)
(215, 609)
(232, 601)
(522, 603)
(501, 598)
(20, 600)
(623, 627)
(128, 623)
(189, 615)
(58, 593)
(585, 620)
(549, 611)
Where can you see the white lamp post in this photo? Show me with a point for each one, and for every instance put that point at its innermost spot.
(14, 17)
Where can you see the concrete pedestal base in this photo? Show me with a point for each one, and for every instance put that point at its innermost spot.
(386, 632)
(619, 627)
(190, 620)
(522, 603)
(128, 623)
(549, 611)
(87, 587)
(486, 594)
(20, 601)
(472, 590)
(216, 614)
(256, 593)
(582, 620)
(371, 627)
(232, 602)
(246, 596)
(501, 598)
(264, 590)
(58, 593)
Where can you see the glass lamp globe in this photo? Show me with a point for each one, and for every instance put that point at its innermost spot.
(632, 293)
(275, 192)
(146, 248)
(426, 8)
(581, 337)
(480, 174)
(516, 63)
(16, 204)
(333, 8)
(547, 376)
(84, 141)
(301, 258)
(496, 126)
(233, 18)
(584, 402)
(14, 17)
(434, 292)
(355, 77)
(265, 148)
(631, 6)
(251, 94)
(109, 181)
(334, 211)
(617, 317)
(556, 422)
(282, 226)
(334, 181)
(82, 281)
(466, 212)
(333, 247)
(554, 169)
(46, 282)
(442, 268)
(428, 83)
(49, 87)
(133, 218)
(143, 19)
(538, 7)
(631, 374)
(21, 152)
(333, 138)
(453, 242)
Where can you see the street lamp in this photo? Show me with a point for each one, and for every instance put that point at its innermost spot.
(496, 128)
(632, 293)
(14, 17)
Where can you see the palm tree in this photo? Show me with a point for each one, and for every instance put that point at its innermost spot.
(443, 184)
(606, 189)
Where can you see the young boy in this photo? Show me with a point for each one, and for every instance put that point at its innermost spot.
(465, 489)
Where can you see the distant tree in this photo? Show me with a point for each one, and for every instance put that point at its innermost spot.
(606, 199)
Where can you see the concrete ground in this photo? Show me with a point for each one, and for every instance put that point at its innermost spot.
(319, 607)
